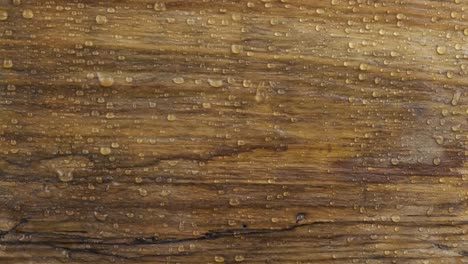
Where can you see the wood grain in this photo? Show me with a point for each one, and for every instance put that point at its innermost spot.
(261, 131)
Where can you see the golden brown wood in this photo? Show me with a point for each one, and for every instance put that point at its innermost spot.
(261, 131)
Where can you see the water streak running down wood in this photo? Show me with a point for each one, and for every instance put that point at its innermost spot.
(216, 131)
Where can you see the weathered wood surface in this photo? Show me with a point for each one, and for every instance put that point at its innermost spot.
(262, 131)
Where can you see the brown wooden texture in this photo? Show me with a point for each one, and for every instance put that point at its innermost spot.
(262, 131)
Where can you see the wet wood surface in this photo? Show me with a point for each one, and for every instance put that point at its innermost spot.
(261, 131)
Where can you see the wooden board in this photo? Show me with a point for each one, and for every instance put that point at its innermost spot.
(261, 131)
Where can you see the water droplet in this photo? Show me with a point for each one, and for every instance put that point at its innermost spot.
(395, 218)
(441, 50)
(159, 6)
(165, 193)
(430, 211)
(3, 15)
(171, 117)
(300, 217)
(138, 179)
(260, 95)
(439, 139)
(178, 80)
(65, 176)
(7, 63)
(363, 67)
(219, 259)
(456, 97)
(28, 13)
(236, 49)
(400, 16)
(142, 192)
(105, 151)
(100, 19)
(100, 216)
(215, 83)
(239, 258)
(234, 202)
(105, 80)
